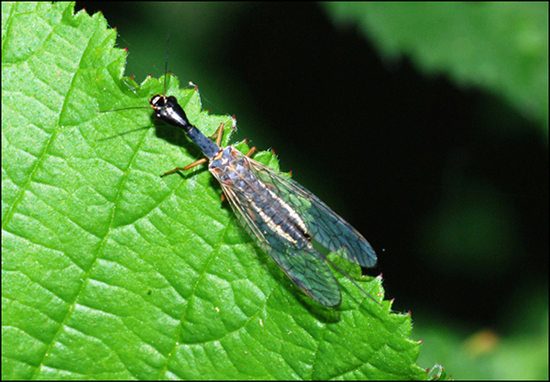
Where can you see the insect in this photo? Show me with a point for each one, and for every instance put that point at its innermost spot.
(281, 216)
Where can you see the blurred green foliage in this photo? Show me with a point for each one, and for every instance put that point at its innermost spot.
(499, 47)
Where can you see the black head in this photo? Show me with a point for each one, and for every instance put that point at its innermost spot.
(168, 109)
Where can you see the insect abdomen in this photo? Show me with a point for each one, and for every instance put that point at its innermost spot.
(272, 213)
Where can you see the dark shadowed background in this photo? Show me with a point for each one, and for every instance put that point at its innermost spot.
(448, 182)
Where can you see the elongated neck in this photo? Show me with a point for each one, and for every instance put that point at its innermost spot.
(168, 109)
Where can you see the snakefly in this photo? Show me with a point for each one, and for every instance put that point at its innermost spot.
(280, 215)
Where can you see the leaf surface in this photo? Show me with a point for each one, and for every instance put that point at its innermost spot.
(111, 272)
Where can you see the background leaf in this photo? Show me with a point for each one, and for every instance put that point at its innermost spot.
(502, 49)
(109, 271)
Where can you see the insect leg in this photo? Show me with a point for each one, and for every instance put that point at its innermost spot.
(218, 134)
(194, 164)
(251, 152)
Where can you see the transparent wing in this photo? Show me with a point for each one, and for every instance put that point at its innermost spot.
(329, 229)
(305, 266)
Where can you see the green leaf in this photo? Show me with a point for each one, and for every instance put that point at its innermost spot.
(111, 272)
(501, 47)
